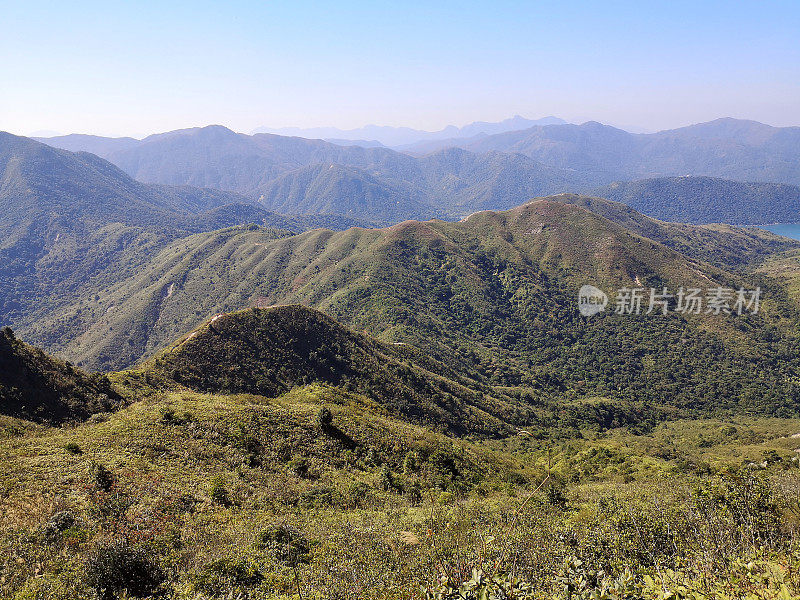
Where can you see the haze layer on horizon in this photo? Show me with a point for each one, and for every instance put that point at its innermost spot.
(139, 68)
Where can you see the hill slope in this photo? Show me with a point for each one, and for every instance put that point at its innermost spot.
(270, 351)
(727, 247)
(494, 294)
(39, 388)
(708, 200)
(74, 222)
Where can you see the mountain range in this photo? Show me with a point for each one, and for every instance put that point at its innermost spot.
(726, 148)
(301, 176)
(455, 177)
(401, 136)
(70, 221)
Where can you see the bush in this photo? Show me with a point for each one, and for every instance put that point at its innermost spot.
(299, 466)
(411, 463)
(73, 448)
(58, 524)
(114, 567)
(219, 493)
(286, 543)
(227, 575)
(445, 498)
(103, 478)
(324, 418)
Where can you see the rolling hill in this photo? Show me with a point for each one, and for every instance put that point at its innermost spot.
(708, 200)
(72, 222)
(493, 294)
(271, 351)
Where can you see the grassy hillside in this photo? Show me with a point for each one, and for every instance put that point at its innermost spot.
(271, 351)
(72, 224)
(494, 294)
(194, 495)
(708, 200)
(40, 388)
(725, 246)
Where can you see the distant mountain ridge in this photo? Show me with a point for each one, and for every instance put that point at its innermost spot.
(401, 136)
(348, 274)
(454, 177)
(301, 176)
(725, 148)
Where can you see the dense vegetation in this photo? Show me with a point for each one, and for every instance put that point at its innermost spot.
(316, 494)
(492, 296)
(270, 351)
(40, 388)
(708, 200)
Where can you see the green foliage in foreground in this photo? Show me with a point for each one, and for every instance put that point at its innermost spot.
(319, 494)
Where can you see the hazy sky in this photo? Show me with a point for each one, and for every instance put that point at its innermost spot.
(134, 68)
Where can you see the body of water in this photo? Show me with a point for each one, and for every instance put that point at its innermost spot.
(791, 230)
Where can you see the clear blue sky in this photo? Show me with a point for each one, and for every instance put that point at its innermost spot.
(133, 68)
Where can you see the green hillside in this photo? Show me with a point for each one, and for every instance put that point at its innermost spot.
(271, 351)
(72, 224)
(725, 246)
(319, 493)
(708, 200)
(40, 388)
(494, 294)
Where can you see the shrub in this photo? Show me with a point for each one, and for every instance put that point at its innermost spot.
(58, 524)
(286, 543)
(324, 418)
(103, 478)
(299, 466)
(445, 498)
(114, 567)
(227, 575)
(411, 463)
(73, 448)
(357, 495)
(219, 492)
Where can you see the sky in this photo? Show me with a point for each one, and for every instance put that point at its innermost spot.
(135, 68)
